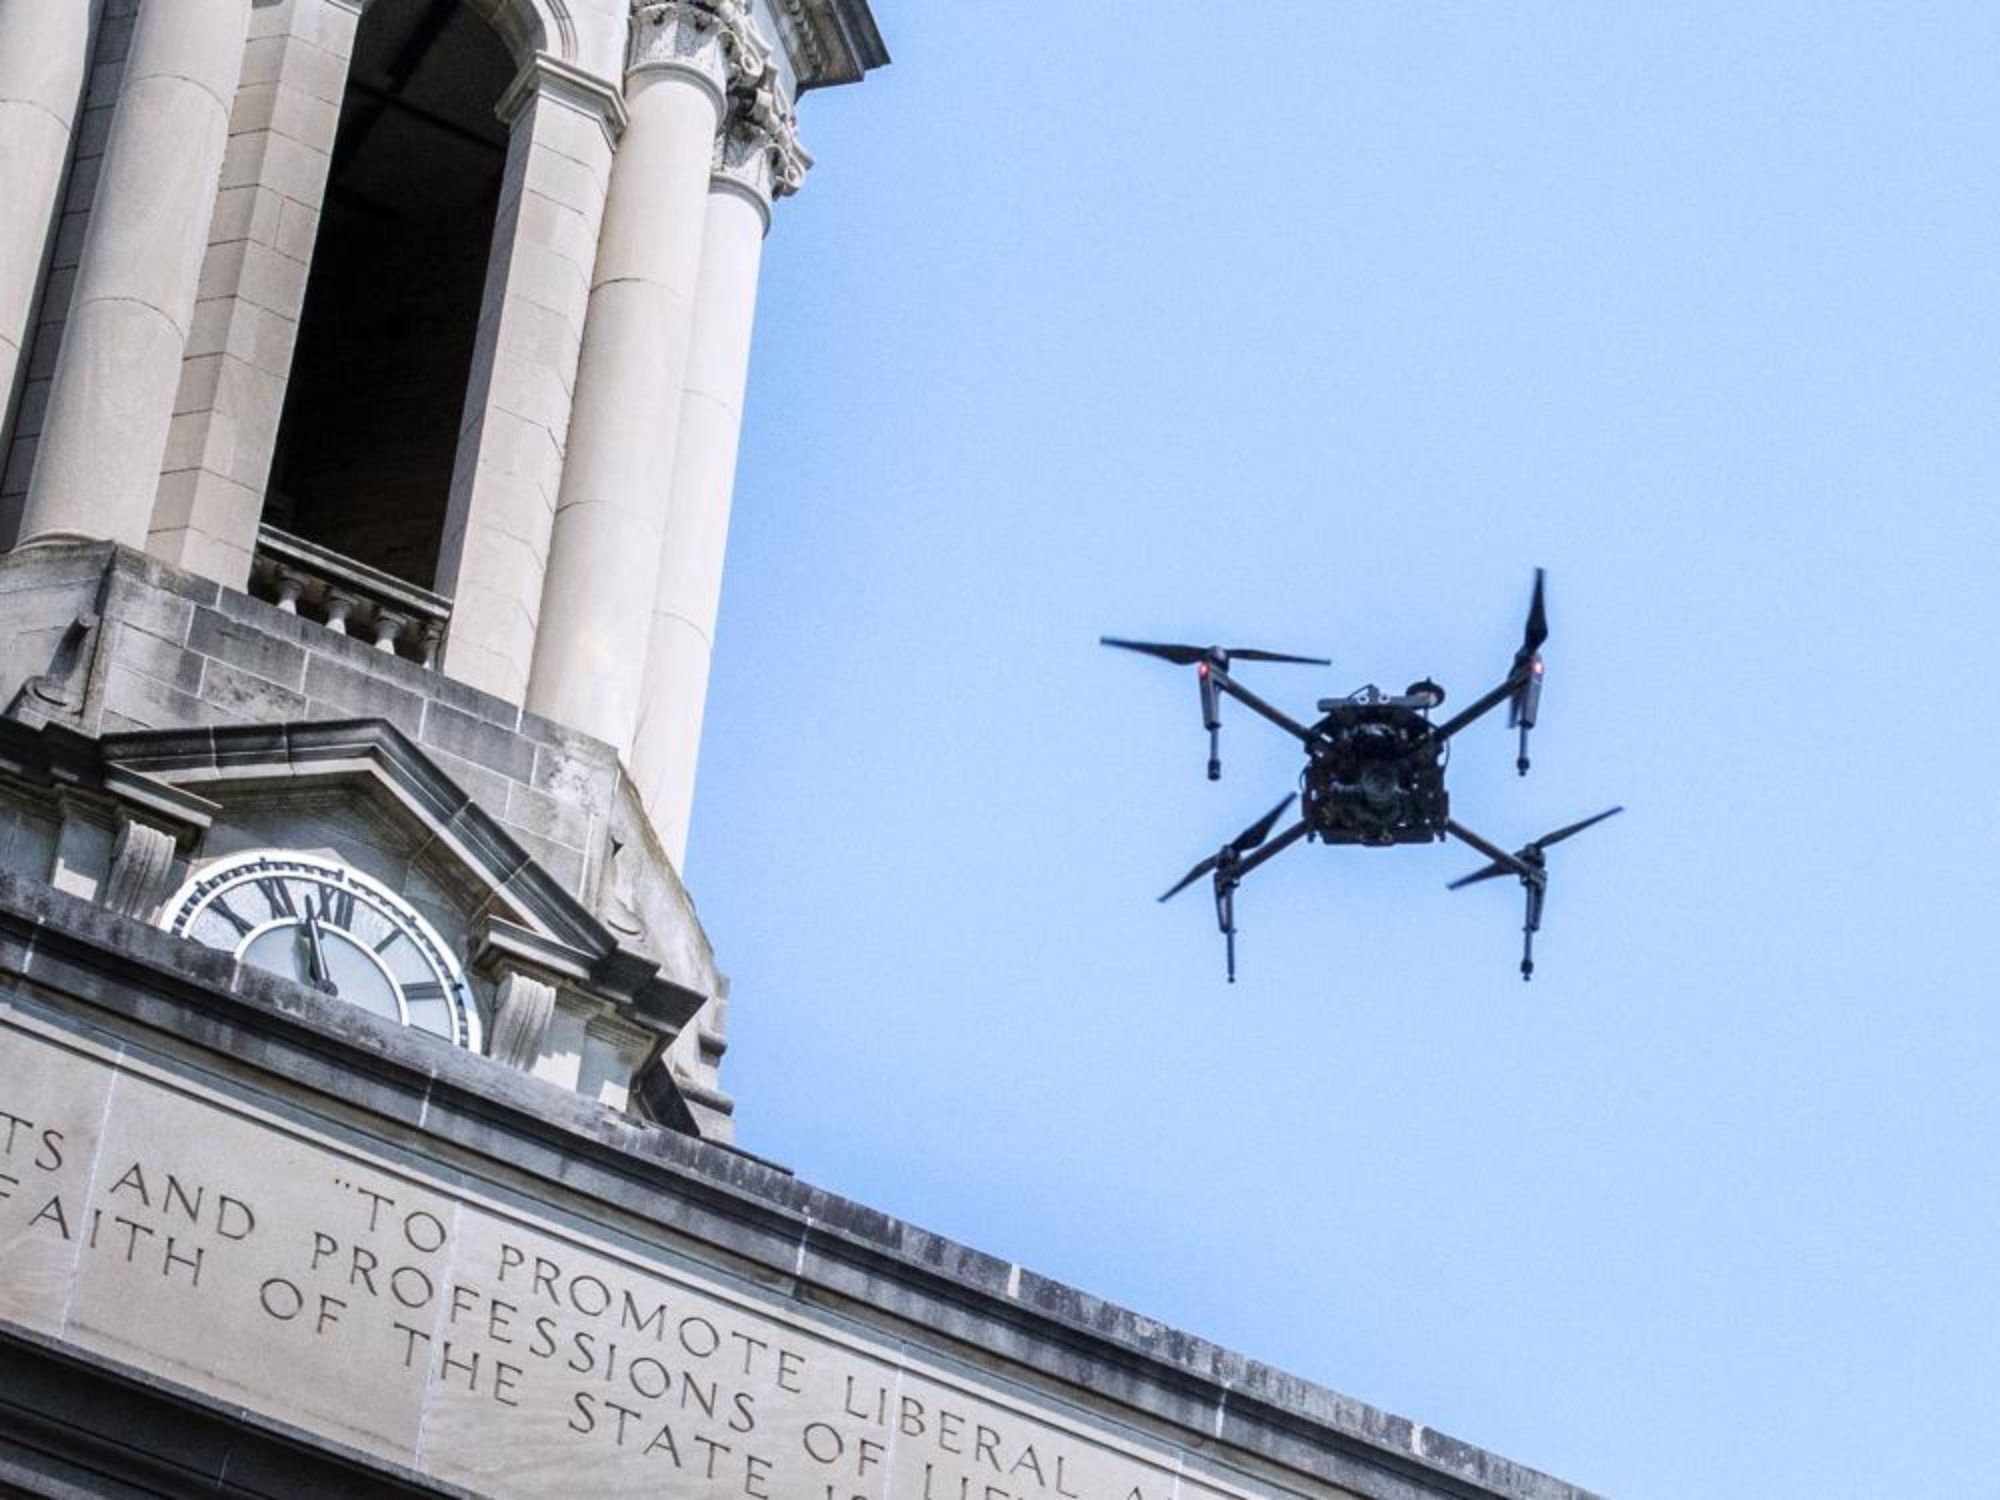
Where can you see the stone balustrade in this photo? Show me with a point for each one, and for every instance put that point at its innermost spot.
(349, 597)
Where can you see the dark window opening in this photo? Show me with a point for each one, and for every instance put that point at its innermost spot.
(376, 399)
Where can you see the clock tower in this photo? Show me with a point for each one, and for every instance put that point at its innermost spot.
(371, 374)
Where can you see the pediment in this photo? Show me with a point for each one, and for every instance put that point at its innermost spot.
(363, 780)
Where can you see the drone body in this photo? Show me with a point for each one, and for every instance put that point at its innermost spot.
(1374, 772)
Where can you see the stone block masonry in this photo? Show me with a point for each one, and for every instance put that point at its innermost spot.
(237, 1189)
(161, 649)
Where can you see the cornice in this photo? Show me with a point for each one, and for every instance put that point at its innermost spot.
(831, 41)
(164, 997)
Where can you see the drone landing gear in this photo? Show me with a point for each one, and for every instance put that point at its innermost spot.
(1530, 865)
(1211, 719)
(1225, 914)
(1232, 862)
(1532, 924)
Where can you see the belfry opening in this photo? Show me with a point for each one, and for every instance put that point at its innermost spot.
(376, 403)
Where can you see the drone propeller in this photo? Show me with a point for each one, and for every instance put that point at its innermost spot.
(1527, 698)
(1536, 883)
(1549, 839)
(1206, 660)
(1221, 656)
(1235, 849)
(1225, 862)
(1492, 872)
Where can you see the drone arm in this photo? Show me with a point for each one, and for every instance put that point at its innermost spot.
(1256, 705)
(1494, 852)
(1273, 848)
(1515, 680)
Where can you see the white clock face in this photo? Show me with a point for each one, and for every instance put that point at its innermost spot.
(334, 930)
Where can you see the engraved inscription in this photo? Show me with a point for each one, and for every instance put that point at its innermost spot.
(479, 1342)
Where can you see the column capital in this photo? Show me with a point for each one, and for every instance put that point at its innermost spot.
(714, 42)
(757, 152)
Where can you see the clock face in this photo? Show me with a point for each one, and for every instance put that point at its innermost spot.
(334, 930)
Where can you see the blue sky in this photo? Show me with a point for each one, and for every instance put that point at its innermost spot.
(1317, 326)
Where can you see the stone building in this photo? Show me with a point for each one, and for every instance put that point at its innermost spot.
(372, 375)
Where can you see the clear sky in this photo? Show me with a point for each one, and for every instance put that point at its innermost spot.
(1317, 325)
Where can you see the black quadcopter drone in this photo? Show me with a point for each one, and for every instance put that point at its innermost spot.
(1374, 771)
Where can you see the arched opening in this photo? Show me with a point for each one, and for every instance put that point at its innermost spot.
(376, 398)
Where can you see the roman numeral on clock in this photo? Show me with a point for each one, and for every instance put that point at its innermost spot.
(336, 905)
(426, 989)
(274, 892)
(230, 915)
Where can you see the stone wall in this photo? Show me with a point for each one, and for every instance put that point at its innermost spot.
(773, 1340)
(105, 640)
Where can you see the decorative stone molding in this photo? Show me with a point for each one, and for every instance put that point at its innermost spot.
(523, 1006)
(830, 41)
(550, 77)
(619, 906)
(615, 1053)
(757, 151)
(142, 867)
(57, 691)
(714, 42)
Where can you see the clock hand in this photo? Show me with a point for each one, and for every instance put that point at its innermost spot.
(321, 979)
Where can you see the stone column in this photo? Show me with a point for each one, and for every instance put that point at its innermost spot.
(757, 159)
(217, 464)
(605, 546)
(98, 463)
(508, 469)
(44, 58)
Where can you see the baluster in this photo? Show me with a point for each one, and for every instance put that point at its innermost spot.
(339, 605)
(288, 585)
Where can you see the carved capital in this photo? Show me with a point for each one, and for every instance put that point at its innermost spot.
(142, 865)
(716, 42)
(523, 1007)
(757, 151)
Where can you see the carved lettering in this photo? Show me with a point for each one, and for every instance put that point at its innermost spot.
(42, 1145)
(513, 1345)
(52, 1213)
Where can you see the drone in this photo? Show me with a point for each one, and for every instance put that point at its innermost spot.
(1374, 772)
